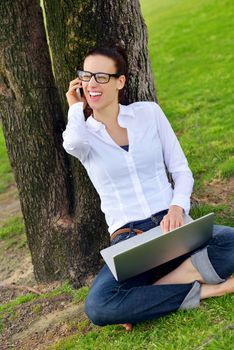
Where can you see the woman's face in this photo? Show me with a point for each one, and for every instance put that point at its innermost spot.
(108, 91)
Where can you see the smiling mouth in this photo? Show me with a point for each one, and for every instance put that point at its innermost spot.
(93, 94)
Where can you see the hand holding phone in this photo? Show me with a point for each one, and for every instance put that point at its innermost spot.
(75, 93)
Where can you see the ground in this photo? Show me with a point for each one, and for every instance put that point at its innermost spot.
(219, 192)
(41, 321)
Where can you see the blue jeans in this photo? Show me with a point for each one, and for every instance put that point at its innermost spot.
(137, 299)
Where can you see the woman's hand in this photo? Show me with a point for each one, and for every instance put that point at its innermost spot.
(173, 219)
(72, 95)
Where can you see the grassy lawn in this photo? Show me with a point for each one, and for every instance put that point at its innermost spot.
(6, 177)
(191, 53)
(211, 326)
(191, 49)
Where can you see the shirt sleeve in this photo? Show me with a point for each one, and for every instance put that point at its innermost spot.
(75, 136)
(175, 161)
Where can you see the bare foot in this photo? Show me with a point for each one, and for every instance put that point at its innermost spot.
(209, 290)
(227, 287)
(127, 326)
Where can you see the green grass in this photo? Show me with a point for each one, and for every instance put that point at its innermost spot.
(213, 322)
(191, 50)
(12, 227)
(78, 295)
(223, 213)
(6, 177)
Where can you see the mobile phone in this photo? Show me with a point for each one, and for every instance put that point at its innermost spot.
(80, 92)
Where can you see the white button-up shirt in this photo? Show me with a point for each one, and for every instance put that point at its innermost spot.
(133, 184)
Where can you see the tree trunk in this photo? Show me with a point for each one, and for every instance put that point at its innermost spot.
(75, 26)
(61, 209)
(59, 220)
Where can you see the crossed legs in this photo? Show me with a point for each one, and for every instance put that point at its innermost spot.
(206, 273)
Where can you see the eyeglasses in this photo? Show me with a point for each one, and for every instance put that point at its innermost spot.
(101, 78)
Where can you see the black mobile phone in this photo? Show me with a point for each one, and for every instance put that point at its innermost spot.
(80, 92)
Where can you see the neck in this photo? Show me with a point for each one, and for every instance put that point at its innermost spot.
(107, 115)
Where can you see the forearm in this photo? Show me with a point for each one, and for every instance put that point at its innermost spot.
(183, 186)
(75, 136)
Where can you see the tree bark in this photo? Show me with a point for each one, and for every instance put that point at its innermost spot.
(60, 209)
(64, 225)
(75, 26)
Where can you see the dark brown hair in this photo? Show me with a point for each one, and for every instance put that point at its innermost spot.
(118, 54)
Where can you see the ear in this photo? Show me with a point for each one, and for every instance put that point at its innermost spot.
(121, 82)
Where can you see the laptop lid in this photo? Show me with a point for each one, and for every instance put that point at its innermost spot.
(153, 248)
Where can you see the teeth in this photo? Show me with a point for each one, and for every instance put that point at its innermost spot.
(94, 93)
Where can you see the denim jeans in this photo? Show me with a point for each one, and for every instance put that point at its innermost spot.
(137, 299)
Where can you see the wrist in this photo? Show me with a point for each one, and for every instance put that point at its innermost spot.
(176, 208)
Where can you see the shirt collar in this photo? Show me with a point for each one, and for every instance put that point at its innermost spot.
(124, 113)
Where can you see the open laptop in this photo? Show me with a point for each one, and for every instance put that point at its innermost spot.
(153, 247)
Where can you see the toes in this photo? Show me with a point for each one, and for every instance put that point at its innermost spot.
(127, 326)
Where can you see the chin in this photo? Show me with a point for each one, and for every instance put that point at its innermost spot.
(92, 107)
(96, 106)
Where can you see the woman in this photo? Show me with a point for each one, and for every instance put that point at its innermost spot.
(124, 150)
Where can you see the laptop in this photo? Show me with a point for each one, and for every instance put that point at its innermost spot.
(153, 247)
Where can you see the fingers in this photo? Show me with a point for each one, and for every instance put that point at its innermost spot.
(74, 96)
(171, 222)
(75, 81)
(165, 224)
(75, 84)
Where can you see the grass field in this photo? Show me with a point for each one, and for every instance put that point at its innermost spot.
(6, 177)
(191, 50)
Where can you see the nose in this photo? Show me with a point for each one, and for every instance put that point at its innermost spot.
(92, 81)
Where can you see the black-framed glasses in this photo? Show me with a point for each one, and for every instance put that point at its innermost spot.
(100, 77)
